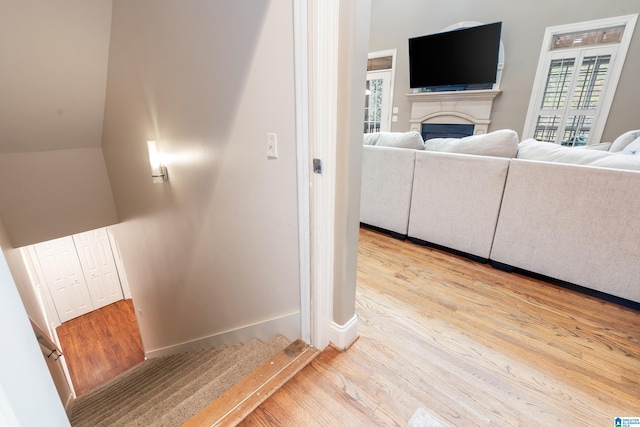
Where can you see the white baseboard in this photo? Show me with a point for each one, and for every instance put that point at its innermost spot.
(342, 336)
(287, 325)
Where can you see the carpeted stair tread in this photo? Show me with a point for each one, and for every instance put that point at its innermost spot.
(249, 362)
(168, 390)
(203, 371)
(194, 398)
(137, 403)
(129, 382)
(134, 383)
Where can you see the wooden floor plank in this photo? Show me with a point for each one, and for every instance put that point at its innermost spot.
(474, 345)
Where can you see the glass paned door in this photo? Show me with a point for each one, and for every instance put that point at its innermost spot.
(376, 107)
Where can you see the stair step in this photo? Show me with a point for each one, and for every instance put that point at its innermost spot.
(200, 397)
(169, 390)
(243, 398)
(130, 387)
(183, 388)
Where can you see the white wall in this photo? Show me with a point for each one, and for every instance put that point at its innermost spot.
(393, 22)
(54, 74)
(215, 248)
(51, 194)
(24, 376)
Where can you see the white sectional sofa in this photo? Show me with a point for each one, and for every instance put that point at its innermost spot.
(565, 213)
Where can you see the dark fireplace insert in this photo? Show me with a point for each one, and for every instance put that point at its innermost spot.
(444, 130)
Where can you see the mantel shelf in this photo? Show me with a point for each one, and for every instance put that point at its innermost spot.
(477, 95)
(455, 107)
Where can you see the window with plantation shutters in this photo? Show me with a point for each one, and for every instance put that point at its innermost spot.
(577, 75)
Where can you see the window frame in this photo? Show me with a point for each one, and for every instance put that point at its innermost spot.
(611, 83)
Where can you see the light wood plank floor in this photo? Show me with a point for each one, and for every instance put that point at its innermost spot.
(100, 345)
(473, 345)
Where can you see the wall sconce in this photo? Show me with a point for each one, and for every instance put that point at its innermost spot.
(159, 172)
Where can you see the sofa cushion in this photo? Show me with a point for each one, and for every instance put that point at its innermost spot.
(603, 146)
(623, 140)
(501, 143)
(395, 139)
(532, 149)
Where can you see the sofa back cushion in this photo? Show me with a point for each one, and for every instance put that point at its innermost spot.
(501, 143)
(395, 139)
(532, 149)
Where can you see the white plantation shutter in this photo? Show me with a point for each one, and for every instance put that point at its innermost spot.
(571, 96)
(576, 79)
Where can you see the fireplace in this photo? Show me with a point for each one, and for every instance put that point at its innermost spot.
(446, 130)
(470, 108)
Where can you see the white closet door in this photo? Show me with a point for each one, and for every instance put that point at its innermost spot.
(63, 274)
(96, 258)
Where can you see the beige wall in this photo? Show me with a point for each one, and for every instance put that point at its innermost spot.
(393, 22)
(353, 41)
(215, 248)
(53, 78)
(24, 378)
(51, 194)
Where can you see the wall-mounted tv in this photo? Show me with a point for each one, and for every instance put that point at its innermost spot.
(465, 58)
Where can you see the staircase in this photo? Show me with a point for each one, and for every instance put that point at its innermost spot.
(168, 391)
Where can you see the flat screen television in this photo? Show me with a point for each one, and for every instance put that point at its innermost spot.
(465, 58)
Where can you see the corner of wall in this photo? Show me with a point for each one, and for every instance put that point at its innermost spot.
(343, 336)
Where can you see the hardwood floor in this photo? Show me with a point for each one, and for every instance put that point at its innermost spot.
(100, 345)
(473, 345)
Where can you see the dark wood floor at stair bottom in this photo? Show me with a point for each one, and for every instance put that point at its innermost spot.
(472, 345)
(100, 345)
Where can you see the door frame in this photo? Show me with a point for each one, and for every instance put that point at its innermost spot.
(316, 59)
(316, 62)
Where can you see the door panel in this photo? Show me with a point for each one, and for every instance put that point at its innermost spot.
(64, 277)
(98, 264)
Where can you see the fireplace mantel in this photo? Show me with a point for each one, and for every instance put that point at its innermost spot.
(463, 107)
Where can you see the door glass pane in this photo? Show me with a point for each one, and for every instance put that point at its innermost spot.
(380, 63)
(558, 81)
(373, 106)
(547, 128)
(590, 82)
(576, 131)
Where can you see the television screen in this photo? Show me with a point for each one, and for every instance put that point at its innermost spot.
(462, 57)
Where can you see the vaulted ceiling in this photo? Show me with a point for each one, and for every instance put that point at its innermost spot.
(53, 73)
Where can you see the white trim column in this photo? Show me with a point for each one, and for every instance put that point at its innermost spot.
(323, 46)
(316, 65)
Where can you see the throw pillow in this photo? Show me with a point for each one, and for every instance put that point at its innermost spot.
(623, 140)
(500, 143)
(632, 148)
(395, 139)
